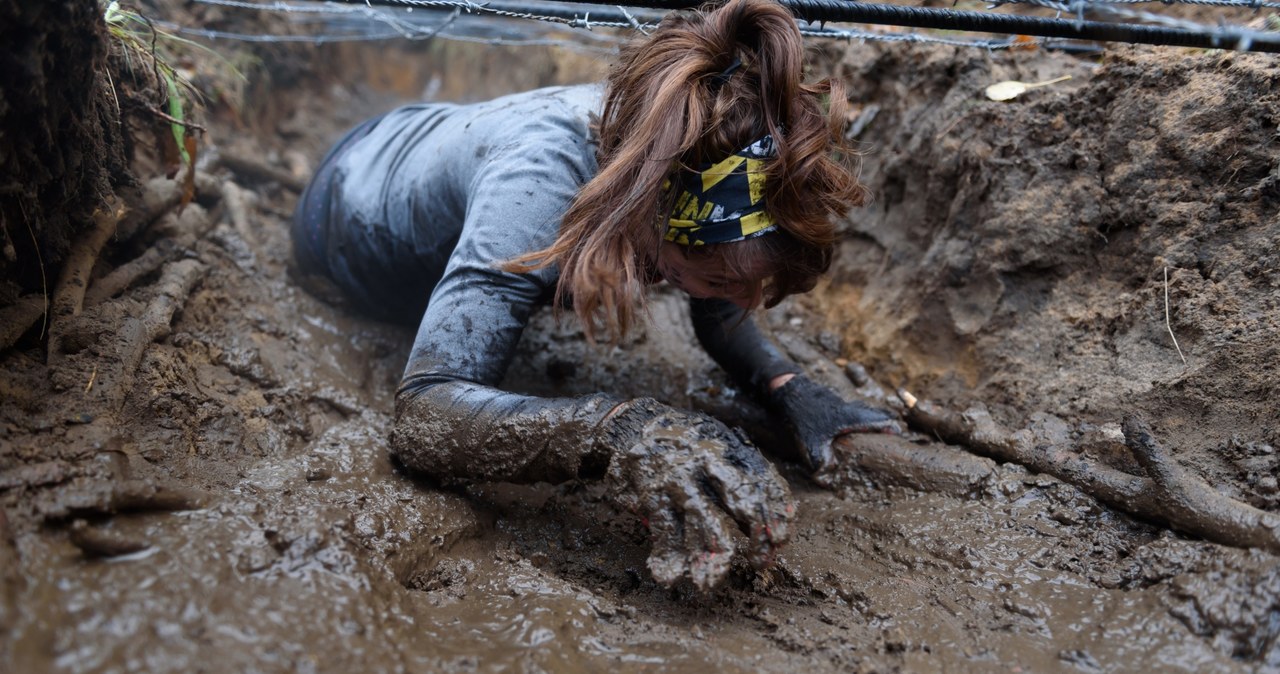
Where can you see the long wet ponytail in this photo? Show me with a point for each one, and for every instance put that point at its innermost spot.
(668, 105)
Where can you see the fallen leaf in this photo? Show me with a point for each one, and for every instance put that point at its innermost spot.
(1011, 89)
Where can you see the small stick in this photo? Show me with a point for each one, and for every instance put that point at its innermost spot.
(237, 200)
(1167, 324)
(171, 119)
(93, 376)
(1172, 494)
(1193, 505)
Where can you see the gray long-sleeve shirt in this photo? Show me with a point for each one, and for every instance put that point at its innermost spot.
(418, 209)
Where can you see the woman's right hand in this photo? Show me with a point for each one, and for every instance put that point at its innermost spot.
(693, 479)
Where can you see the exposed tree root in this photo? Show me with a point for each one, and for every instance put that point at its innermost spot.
(68, 295)
(256, 170)
(71, 296)
(1172, 495)
(175, 285)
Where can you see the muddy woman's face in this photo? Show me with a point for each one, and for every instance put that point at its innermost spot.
(707, 276)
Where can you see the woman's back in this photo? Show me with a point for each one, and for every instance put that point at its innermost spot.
(403, 193)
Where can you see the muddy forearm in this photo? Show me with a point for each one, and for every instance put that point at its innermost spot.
(738, 346)
(458, 431)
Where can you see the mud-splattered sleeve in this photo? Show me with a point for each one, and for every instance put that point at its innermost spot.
(738, 345)
(451, 422)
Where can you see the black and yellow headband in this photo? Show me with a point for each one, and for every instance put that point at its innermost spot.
(723, 202)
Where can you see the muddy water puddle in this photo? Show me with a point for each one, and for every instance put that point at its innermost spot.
(367, 570)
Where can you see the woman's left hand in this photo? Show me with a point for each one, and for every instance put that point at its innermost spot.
(818, 416)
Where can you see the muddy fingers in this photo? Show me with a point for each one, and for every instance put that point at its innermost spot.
(758, 500)
(666, 531)
(694, 480)
(707, 543)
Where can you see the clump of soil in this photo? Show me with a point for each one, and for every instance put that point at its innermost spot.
(202, 474)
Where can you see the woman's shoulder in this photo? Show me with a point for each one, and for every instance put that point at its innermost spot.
(551, 100)
(530, 115)
(537, 106)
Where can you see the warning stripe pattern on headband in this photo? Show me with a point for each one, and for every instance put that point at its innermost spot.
(723, 202)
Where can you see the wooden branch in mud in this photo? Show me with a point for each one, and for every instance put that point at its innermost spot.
(157, 202)
(128, 273)
(256, 170)
(1193, 504)
(71, 295)
(889, 459)
(176, 284)
(978, 432)
(1172, 494)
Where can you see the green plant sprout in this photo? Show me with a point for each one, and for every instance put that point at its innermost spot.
(143, 44)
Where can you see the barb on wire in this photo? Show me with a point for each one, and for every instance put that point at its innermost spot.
(634, 24)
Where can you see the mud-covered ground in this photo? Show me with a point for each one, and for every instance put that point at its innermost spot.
(1013, 255)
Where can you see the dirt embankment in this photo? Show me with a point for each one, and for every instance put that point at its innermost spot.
(61, 148)
(1012, 256)
(1017, 252)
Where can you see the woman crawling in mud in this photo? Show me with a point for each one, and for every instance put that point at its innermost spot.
(704, 161)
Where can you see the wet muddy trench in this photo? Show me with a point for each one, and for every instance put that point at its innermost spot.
(222, 499)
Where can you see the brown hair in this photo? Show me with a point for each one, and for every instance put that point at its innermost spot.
(665, 108)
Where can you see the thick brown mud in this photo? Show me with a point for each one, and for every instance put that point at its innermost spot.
(1011, 257)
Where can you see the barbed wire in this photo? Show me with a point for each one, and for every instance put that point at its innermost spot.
(333, 38)
(1108, 8)
(1166, 31)
(330, 38)
(636, 24)
(394, 14)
